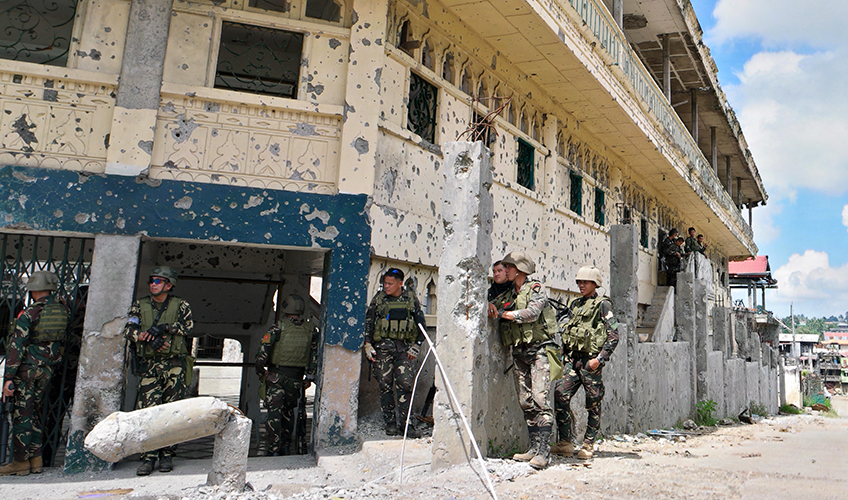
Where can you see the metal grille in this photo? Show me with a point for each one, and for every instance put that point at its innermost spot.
(422, 108)
(576, 202)
(210, 348)
(599, 206)
(70, 259)
(259, 60)
(526, 165)
(37, 31)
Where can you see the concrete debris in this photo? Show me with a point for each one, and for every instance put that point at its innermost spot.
(229, 459)
(690, 425)
(725, 421)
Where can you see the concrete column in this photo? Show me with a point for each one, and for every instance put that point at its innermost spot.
(462, 327)
(694, 104)
(666, 62)
(727, 178)
(750, 214)
(618, 12)
(337, 398)
(100, 377)
(738, 194)
(714, 150)
(624, 292)
(702, 287)
(684, 320)
(134, 118)
(360, 134)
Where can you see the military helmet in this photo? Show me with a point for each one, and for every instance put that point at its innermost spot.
(589, 273)
(293, 304)
(165, 272)
(42, 280)
(521, 261)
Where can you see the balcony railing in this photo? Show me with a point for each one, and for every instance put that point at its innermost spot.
(595, 18)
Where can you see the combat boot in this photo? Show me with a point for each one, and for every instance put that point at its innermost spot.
(19, 468)
(564, 448)
(586, 451)
(534, 447)
(392, 429)
(543, 453)
(145, 468)
(36, 465)
(166, 463)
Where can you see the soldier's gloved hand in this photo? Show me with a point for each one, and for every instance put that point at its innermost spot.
(370, 352)
(413, 351)
(157, 342)
(260, 370)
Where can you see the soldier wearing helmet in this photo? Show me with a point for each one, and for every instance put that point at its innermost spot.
(159, 327)
(34, 349)
(588, 341)
(527, 326)
(288, 352)
(393, 342)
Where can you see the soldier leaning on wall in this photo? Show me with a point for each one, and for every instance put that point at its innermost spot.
(588, 341)
(34, 350)
(528, 326)
(286, 359)
(393, 341)
(159, 327)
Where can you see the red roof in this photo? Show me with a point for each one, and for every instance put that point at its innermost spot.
(757, 266)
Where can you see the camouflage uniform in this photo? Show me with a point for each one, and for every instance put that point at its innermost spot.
(161, 374)
(284, 384)
(29, 365)
(576, 372)
(395, 371)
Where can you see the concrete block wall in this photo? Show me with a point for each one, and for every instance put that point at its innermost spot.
(663, 389)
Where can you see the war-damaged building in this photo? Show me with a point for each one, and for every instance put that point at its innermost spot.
(266, 147)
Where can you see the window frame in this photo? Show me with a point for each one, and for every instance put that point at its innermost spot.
(575, 205)
(522, 143)
(600, 205)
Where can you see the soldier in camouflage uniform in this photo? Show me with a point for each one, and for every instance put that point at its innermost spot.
(527, 326)
(588, 341)
(393, 341)
(159, 328)
(288, 352)
(34, 350)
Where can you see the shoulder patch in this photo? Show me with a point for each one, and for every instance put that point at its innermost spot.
(537, 287)
(21, 313)
(266, 338)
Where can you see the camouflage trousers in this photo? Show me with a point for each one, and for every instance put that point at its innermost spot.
(160, 381)
(283, 387)
(533, 376)
(31, 384)
(574, 375)
(395, 374)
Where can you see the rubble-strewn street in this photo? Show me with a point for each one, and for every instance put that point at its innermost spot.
(783, 457)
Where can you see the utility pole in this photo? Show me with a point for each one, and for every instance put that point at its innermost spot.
(796, 349)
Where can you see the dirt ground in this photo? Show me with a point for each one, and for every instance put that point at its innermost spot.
(784, 457)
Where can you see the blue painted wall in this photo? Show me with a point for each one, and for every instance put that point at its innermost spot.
(59, 200)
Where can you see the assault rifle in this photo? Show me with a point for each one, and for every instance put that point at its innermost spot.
(301, 445)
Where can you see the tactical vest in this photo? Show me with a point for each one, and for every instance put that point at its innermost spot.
(169, 317)
(294, 346)
(541, 330)
(400, 329)
(585, 332)
(52, 323)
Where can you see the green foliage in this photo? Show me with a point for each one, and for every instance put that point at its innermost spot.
(758, 409)
(804, 325)
(506, 450)
(704, 413)
(790, 409)
(817, 399)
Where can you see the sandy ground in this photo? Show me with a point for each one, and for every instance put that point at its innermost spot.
(785, 457)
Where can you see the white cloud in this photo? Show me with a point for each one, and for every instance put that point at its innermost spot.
(808, 280)
(765, 227)
(845, 216)
(776, 22)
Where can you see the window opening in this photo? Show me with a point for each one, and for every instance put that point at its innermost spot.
(274, 5)
(447, 67)
(327, 10)
(259, 60)
(465, 85)
(576, 205)
(37, 31)
(525, 164)
(405, 41)
(643, 233)
(427, 56)
(599, 206)
(422, 108)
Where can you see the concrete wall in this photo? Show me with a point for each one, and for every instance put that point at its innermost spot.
(663, 388)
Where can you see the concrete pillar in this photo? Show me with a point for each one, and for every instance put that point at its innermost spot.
(337, 398)
(727, 178)
(137, 101)
(100, 377)
(702, 285)
(360, 134)
(618, 12)
(624, 292)
(714, 150)
(738, 196)
(666, 62)
(685, 319)
(462, 327)
(694, 104)
(229, 457)
(750, 214)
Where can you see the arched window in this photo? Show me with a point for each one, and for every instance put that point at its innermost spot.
(465, 83)
(427, 56)
(524, 126)
(447, 67)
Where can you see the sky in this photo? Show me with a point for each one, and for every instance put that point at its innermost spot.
(783, 67)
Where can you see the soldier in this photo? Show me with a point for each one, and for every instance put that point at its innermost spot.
(289, 351)
(499, 282)
(702, 247)
(588, 341)
(34, 350)
(691, 244)
(528, 325)
(159, 327)
(393, 341)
